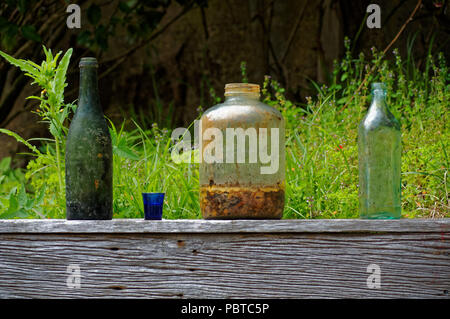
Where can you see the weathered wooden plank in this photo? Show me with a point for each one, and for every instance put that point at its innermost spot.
(213, 259)
(223, 226)
(224, 266)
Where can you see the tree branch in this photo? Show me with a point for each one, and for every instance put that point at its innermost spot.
(121, 57)
(153, 35)
(294, 30)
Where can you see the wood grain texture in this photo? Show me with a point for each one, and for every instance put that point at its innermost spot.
(224, 259)
(223, 226)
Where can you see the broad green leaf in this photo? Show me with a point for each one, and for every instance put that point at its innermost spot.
(20, 139)
(60, 76)
(40, 197)
(18, 212)
(38, 67)
(21, 213)
(12, 208)
(29, 204)
(5, 164)
(342, 100)
(125, 152)
(21, 64)
(35, 98)
(48, 54)
(22, 196)
(53, 130)
(12, 192)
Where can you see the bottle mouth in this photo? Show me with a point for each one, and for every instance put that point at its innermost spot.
(88, 62)
(241, 88)
(378, 86)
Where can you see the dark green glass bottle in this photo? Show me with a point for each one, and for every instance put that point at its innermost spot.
(379, 148)
(89, 170)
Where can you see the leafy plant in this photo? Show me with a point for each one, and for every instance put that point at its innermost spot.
(51, 77)
(22, 204)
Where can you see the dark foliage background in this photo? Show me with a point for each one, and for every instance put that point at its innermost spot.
(161, 59)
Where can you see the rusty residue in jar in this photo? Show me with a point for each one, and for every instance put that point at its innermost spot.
(238, 202)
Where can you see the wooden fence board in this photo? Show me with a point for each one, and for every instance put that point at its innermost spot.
(224, 259)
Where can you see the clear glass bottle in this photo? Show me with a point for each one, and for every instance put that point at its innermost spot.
(89, 169)
(379, 150)
(242, 168)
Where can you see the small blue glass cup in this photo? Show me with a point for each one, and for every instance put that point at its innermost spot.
(153, 205)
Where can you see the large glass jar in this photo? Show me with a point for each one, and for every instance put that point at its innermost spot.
(242, 168)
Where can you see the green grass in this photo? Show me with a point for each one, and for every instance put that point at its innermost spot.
(322, 163)
(321, 149)
(147, 167)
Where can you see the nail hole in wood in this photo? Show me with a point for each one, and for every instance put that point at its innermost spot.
(117, 287)
(180, 243)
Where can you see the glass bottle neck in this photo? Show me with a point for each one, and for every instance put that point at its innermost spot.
(242, 90)
(88, 94)
(242, 95)
(378, 100)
